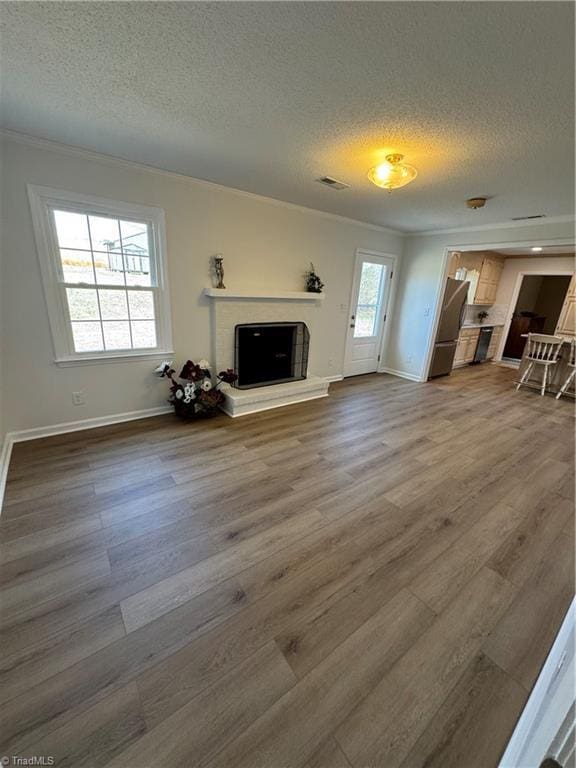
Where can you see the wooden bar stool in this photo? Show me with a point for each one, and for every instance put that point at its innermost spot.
(571, 362)
(543, 350)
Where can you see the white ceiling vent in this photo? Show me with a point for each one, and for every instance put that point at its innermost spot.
(526, 218)
(328, 181)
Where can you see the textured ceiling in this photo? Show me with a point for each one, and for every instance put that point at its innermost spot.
(267, 96)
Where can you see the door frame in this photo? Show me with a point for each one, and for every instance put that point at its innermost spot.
(514, 298)
(360, 254)
(441, 284)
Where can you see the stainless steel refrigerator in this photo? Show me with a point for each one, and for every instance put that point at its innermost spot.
(451, 317)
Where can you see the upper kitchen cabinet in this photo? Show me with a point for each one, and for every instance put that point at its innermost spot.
(489, 280)
(481, 270)
(567, 321)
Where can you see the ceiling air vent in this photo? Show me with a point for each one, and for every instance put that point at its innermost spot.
(526, 218)
(328, 181)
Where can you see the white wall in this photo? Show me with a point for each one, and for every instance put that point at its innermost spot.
(532, 266)
(265, 245)
(421, 277)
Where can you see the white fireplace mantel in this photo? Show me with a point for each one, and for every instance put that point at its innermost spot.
(227, 293)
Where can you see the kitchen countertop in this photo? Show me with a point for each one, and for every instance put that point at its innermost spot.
(482, 325)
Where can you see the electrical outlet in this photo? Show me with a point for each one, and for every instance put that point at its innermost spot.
(331, 361)
(79, 398)
(427, 312)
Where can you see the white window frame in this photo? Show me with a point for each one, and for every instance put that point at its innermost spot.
(43, 200)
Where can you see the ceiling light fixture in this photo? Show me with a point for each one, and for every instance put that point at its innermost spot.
(537, 248)
(476, 202)
(393, 173)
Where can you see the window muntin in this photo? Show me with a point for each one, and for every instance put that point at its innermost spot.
(113, 255)
(104, 276)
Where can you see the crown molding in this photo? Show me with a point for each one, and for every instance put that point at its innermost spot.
(69, 149)
(566, 218)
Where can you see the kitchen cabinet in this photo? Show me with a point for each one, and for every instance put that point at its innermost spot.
(489, 280)
(483, 271)
(466, 346)
(567, 321)
(468, 340)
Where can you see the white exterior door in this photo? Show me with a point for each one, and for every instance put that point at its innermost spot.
(368, 308)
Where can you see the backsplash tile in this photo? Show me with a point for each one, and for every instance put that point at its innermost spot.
(496, 313)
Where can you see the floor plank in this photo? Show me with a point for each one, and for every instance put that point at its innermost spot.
(522, 639)
(94, 737)
(29, 666)
(370, 579)
(386, 725)
(485, 700)
(328, 756)
(169, 593)
(202, 728)
(291, 731)
(440, 582)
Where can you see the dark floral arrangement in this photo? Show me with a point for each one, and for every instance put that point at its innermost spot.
(482, 315)
(196, 395)
(313, 282)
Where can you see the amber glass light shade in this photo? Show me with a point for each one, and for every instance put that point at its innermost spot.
(393, 173)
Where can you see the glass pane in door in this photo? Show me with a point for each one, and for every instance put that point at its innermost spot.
(369, 297)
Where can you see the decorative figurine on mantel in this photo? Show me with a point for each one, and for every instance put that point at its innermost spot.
(313, 282)
(219, 270)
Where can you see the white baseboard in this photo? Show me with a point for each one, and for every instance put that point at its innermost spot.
(402, 374)
(23, 435)
(4, 463)
(77, 426)
(332, 379)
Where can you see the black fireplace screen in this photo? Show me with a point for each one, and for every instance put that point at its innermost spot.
(270, 353)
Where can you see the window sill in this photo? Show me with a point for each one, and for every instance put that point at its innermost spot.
(123, 357)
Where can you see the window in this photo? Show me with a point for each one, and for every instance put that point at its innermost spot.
(368, 300)
(104, 276)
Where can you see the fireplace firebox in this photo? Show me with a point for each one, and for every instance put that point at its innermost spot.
(270, 353)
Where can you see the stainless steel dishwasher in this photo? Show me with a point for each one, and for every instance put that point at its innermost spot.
(482, 345)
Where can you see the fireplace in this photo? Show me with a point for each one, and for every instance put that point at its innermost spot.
(270, 353)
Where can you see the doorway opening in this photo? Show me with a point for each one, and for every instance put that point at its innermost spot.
(538, 307)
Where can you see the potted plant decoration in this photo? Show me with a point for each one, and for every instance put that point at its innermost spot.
(313, 282)
(195, 395)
